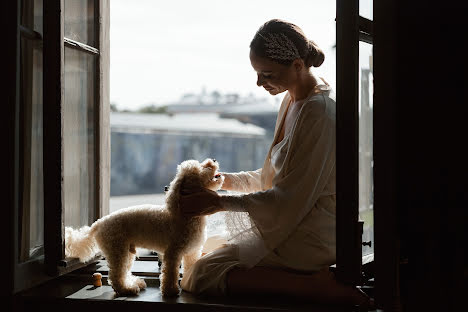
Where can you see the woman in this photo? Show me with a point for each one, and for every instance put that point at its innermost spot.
(290, 242)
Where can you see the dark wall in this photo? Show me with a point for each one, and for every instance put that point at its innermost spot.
(431, 130)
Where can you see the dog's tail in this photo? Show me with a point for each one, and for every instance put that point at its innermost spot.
(80, 243)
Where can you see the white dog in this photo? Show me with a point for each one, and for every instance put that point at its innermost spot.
(160, 228)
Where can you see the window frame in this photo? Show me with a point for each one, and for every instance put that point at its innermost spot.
(348, 251)
(26, 274)
(386, 230)
(54, 53)
(351, 28)
(19, 277)
(31, 39)
(31, 271)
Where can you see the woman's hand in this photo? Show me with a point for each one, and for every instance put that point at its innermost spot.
(203, 202)
(227, 185)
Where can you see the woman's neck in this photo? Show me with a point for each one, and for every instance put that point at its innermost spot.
(303, 87)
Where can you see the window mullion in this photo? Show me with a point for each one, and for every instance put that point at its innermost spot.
(365, 25)
(348, 236)
(53, 143)
(386, 228)
(80, 46)
(29, 33)
(365, 30)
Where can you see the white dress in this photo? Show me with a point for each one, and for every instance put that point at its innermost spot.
(290, 202)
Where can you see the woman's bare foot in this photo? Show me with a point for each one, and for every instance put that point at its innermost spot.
(319, 287)
(332, 291)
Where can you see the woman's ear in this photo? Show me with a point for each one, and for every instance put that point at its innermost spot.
(298, 64)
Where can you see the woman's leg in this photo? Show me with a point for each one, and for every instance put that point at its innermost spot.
(320, 286)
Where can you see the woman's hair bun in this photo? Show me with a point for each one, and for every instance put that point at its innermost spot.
(315, 57)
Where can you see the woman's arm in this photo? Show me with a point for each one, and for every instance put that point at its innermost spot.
(297, 186)
(207, 202)
(204, 202)
(244, 181)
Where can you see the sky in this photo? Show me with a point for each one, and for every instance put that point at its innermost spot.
(160, 50)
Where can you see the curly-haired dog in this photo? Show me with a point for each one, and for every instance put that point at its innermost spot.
(160, 228)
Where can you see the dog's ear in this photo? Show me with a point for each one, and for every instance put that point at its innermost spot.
(210, 163)
(188, 166)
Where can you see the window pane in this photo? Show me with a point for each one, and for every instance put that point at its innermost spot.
(366, 9)
(31, 14)
(32, 213)
(78, 138)
(366, 182)
(79, 21)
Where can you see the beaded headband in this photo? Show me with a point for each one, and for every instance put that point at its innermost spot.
(280, 47)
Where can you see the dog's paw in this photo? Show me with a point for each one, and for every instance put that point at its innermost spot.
(127, 291)
(170, 290)
(140, 283)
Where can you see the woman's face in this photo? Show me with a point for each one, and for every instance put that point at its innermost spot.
(273, 77)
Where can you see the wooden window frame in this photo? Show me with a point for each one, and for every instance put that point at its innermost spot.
(26, 274)
(386, 262)
(350, 30)
(29, 272)
(386, 235)
(54, 48)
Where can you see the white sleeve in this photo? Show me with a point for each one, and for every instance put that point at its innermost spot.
(245, 181)
(311, 158)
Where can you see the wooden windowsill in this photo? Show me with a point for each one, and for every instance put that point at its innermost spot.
(75, 292)
(71, 295)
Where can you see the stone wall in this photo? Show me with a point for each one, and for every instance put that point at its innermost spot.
(145, 163)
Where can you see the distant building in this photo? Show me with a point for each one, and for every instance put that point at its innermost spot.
(262, 114)
(249, 109)
(146, 148)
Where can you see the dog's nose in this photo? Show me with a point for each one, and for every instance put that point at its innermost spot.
(166, 188)
(214, 160)
(217, 176)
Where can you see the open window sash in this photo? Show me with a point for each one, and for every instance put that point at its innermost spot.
(77, 132)
(350, 30)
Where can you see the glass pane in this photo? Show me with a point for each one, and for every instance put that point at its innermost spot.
(32, 213)
(78, 138)
(31, 14)
(366, 160)
(366, 9)
(79, 21)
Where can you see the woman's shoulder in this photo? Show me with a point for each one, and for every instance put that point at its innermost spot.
(320, 105)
